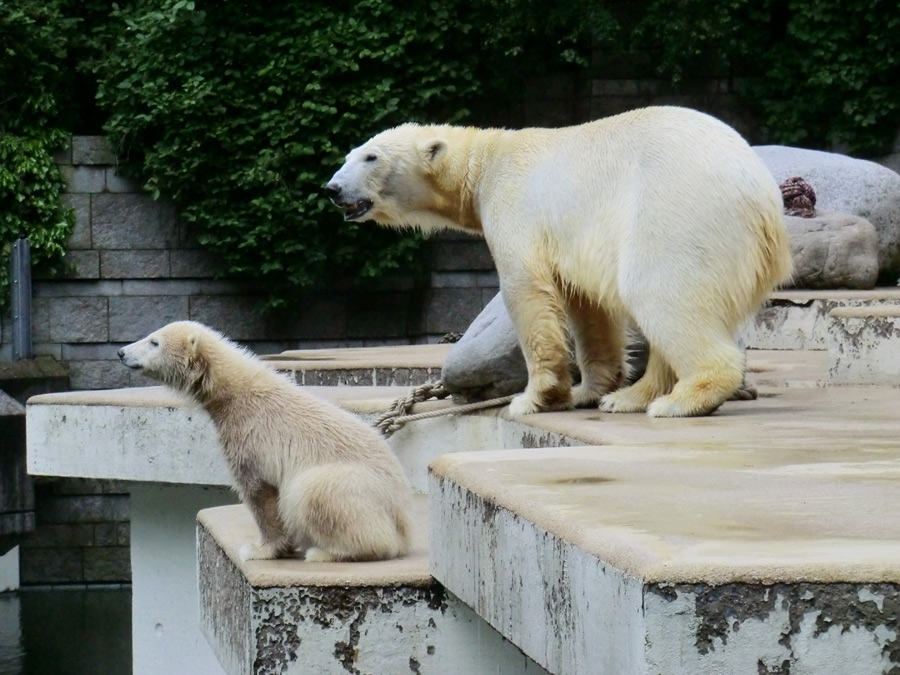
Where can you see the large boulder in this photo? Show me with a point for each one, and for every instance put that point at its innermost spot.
(833, 250)
(847, 185)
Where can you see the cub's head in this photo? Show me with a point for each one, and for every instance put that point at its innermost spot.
(391, 179)
(173, 355)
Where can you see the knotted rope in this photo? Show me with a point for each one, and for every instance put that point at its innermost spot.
(398, 415)
(799, 197)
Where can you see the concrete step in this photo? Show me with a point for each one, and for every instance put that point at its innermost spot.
(762, 539)
(799, 319)
(289, 616)
(864, 345)
(397, 366)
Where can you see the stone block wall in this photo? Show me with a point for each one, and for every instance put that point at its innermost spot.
(83, 534)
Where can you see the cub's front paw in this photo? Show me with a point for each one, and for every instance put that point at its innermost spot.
(254, 552)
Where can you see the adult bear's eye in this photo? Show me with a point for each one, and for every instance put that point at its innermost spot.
(155, 343)
(371, 158)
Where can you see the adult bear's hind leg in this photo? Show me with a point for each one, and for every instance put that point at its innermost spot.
(710, 369)
(657, 380)
(537, 309)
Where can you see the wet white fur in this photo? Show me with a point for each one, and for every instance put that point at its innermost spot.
(310, 472)
(663, 217)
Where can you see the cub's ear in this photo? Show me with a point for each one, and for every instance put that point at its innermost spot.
(193, 343)
(431, 151)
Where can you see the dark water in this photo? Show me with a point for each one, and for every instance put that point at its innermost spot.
(66, 632)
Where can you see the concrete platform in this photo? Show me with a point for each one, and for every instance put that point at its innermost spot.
(289, 616)
(762, 539)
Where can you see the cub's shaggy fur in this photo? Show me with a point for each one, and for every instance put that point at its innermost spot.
(660, 217)
(314, 476)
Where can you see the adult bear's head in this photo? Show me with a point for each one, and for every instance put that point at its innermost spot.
(408, 176)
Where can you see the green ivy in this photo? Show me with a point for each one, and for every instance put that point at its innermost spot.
(823, 74)
(33, 39)
(239, 112)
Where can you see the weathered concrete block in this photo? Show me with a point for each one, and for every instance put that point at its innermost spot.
(293, 617)
(134, 264)
(83, 509)
(63, 535)
(132, 318)
(51, 566)
(93, 374)
(81, 234)
(864, 345)
(107, 564)
(454, 279)
(117, 182)
(464, 253)
(82, 265)
(378, 315)
(105, 534)
(83, 179)
(451, 309)
(92, 150)
(192, 264)
(127, 221)
(64, 154)
(71, 319)
(234, 315)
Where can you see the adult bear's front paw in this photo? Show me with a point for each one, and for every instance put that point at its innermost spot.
(523, 404)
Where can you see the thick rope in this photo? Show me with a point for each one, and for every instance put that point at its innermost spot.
(395, 417)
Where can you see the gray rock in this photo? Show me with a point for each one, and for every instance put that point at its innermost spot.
(487, 362)
(833, 250)
(847, 185)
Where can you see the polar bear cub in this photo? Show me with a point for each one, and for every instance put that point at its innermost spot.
(313, 476)
(662, 217)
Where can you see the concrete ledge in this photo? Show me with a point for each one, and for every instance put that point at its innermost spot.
(864, 345)
(289, 616)
(146, 434)
(799, 319)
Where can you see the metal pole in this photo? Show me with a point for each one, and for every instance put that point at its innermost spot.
(20, 280)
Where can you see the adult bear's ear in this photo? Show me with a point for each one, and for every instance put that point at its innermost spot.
(433, 150)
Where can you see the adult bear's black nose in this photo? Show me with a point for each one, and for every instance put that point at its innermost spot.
(333, 190)
(121, 353)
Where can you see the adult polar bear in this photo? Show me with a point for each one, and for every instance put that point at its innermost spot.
(662, 216)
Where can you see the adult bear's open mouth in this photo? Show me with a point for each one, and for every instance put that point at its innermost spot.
(357, 209)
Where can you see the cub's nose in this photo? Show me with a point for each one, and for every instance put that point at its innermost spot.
(121, 353)
(333, 190)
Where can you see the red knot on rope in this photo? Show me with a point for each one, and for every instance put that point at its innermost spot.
(799, 197)
(395, 417)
